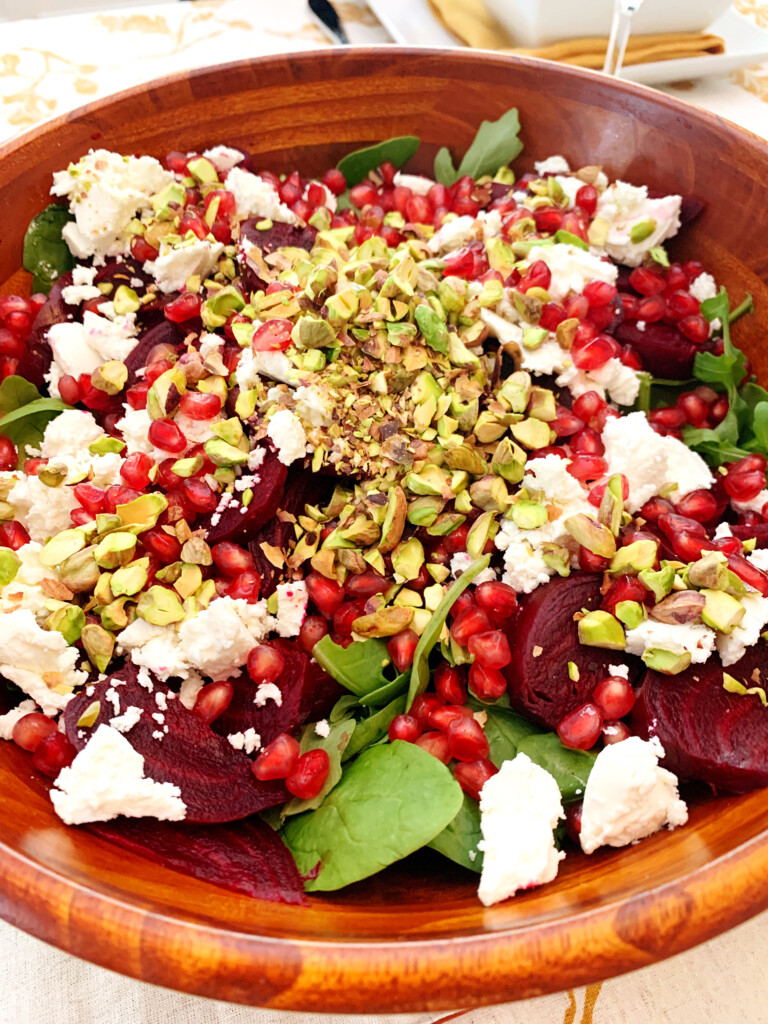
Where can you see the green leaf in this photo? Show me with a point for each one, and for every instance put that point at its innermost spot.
(343, 706)
(505, 730)
(25, 425)
(370, 730)
(45, 253)
(16, 392)
(359, 667)
(356, 166)
(570, 768)
(462, 836)
(444, 171)
(392, 800)
(430, 636)
(495, 144)
(760, 425)
(334, 744)
(567, 238)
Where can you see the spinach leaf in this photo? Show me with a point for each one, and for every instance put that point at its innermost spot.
(16, 392)
(570, 768)
(45, 253)
(430, 636)
(24, 415)
(359, 667)
(374, 728)
(384, 694)
(334, 744)
(495, 144)
(462, 835)
(392, 800)
(505, 730)
(356, 166)
(343, 707)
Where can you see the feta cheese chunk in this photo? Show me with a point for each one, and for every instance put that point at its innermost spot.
(613, 379)
(83, 347)
(70, 432)
(519, 809)
(134, 428)
(552, 165)
(731, 646)
(694, 637)
(624, 207)
(10, 718)
(39, 661)
(417, 183)
(572, 268)
(628, 796)
(107, 779)
(156, 648)
(461, 561)
(703, 287)
(223, 158)
(82, 287)
(286, 432)
(218, 639)
(175, 265)
(256, 197)
(292, 599)
(24, 590)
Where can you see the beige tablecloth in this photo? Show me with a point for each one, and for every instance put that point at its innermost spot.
(48, 66)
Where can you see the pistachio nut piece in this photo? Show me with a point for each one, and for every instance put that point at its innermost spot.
(531, 433)
(591, 535)
(160, 606)
(143, 512)
(99, 645)
(669, 663)
(128, 580)
(61, 546)
(407, 559)
(69, 621)
(115, 549)
(490, 494)
(680, 607)
(111, 377)
(721, 611)
(223, 454)
(484, 528)
(9, 566)
(509, 461)
(710, 571)
(394, 520)
(89, 716)
(445, 523)
(634, 557)
(165, 393)
(384, 622)
(528, 515)
(631, 613)
(600, 629)
(114, 616)
(79, 572)
(659, 581)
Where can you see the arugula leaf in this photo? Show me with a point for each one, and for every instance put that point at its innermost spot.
(357, 165)
(334, 744)
(392, 800)
(760, 425)
(462, 835)
(430, 636)
(45, 253)
(495, 144)
(370, 730)
(24, 415)
(343, 706)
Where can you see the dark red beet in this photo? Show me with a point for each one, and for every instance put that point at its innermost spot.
(164, 332)
(276, 237)
(709, 734)
(539, 685)
(308, 693)
(759, 531)
(663, 350)
(37, 358)
(215, 780)
(248, 857)
(267, 495)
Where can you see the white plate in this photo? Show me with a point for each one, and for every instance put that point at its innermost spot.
(412, 23)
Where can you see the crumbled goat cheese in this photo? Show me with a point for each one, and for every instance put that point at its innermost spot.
(618, 670)
(628, 796)
(322, 728)
(417, 183)
(572, 268)
(461, 562)
(107, 779)
(703, 287)
(292, 601)
(75, 294)
(622, 207)
(43, 510)
(210, 345)
(753, 505)
(731, 646)
(247, 741)
(10, 718)
(174, 266)
(155, 648)
(619, 382)
(190, 688)
(286, 432)
(547, 359)
(722, 530)
(71, 431)
(252, 366)
(453, 235)
(314, 406)
(651, 462)
(694, 637)
(552, 165)
(24, 590)
(519, 809)
(503, 329)
(83, 347)
(39, 661)
(223, 158)
(256, 197)
(758, 558)
(134, 429)
(126, 721)
(268, 691)
(218, 639)
(525, 568)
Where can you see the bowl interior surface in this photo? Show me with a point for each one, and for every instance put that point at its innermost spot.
(415, 937)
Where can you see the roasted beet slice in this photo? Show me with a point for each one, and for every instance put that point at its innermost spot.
(709, 734)
(215, 780)
(663, 350)
(308, 694)
(544, 638)
(303, 488)
(37, 358)
(267, 494)
(277, 236)
(164, 332)
(248, 857)
(758, 530)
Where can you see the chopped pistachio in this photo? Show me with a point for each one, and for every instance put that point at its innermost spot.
(659, 582)
(61, 546)
(165, 393)
(128, 580)
(384, 622)
(9, 566)
(528, 515)
(679, 607)
(631, 613)
(669, 663)
(721, 611)
(53, 474)
(223, 454)
(115, 549)
(79, 572)
(490, 494)
(68, 620)
(601, 629)
(634, 557)
(407, 559)
(509, 461)
(531, 433)
(484, 528)
(445, 523)
(160, 606)
(106, 446)
(89, 716)
(642, 230)
(143, 512)
(591, 535)
(99, 645)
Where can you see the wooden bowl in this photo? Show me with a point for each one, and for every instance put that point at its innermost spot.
(415, 937)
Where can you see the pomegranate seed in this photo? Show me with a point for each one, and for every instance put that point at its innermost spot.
(588, 405)
(213, 700)
(614, 697)
(311, 632)
(670, 417)
(692, 269)
(402, 648)
(118, 495)
(565, 423)
(404, 727)
(594, 352)
(581, 729)
(142, 250)
(586, 199)
(164, 546)
(656, 507)
(441, 717)
(487, 683)
(464, 206)
(573, 822)
(436, 744)
(438, 196)
(462, 603)
(615, 732)
(596, 494)
(694, 408)
(199, 405)
(166, 434)
(308, 775)
(497, 600)
(418, 210)
(473, 775)
(749, 573)
(456, 541)
(136, 396)
(423, 706)
(744, 486)
(364, 194)
(184, 308)
(135, 470)
(748, 464)
(265, 664)
(490, 649)
(231, 558)
(587, 467)
(587, 441)
(90, 498)
(699, 505)
(590, 562)
(552, 314)
(467, 741)
(599, 293)
(53, 753)
(246, 586)
(467, 624)
(277, 760)
(334, 180)
(695, 328)
(647, 281)
(630, 358)
(9, 458)
(450, 685)
(538, 275)
(576, 307)
(345, 615)
(199, 496)
(548, 220)
(13, 535)
(326, 594)
(69, 389)
(729, 545)
(31, 729)
(366, 584)
(681, 304)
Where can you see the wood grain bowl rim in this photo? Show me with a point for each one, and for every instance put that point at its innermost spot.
(413, 973)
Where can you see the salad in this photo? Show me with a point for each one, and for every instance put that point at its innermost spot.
(348, 516)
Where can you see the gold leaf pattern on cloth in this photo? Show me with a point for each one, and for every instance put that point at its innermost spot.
(754, 80)
(591, 992)
(28, 105)
(146, 24)
(306, 31)
(756, 9)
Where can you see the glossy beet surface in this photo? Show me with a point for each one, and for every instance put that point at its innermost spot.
(544, 639)
(215, 780)
(267, 494)
(709, 734)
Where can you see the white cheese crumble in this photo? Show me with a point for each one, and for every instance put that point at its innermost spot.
(731, 646)
(548, 358)
(753, 505)
(292, 601)
(703, 287)
(126, 721)
(107, 779)
(223, 158)
(193, 258)
(552, 165)
(10, 718)
(453, 235)
(286, 432)
(134, 428)
(620, 383)
(694, 637)
(39, 661)
(71, 431)
(417, 183)
(322, 728)
(218, 639)
(618, 670)
(651, 462)
(572, 268)
(623, 207)
(248, 741)
(314, 406)
(24, 590)
(265, 692)
(256, 197)
(628, 796)
(462, 561)
(519, 809)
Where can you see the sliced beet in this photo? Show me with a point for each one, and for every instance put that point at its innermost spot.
(37, 358)
(164, 332)
(709, 734)
(303, 488)
(544, 638)
(215, 780)
(275, 237)
(758, 530)
(663, 350)
(248, 857)
(308, 694)
(267, 494)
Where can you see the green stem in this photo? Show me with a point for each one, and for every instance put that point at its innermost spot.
(745, 307)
